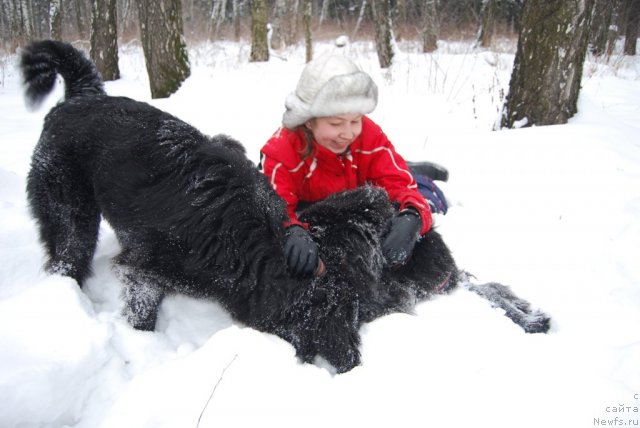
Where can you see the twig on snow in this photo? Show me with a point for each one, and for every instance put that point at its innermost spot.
(214, 389)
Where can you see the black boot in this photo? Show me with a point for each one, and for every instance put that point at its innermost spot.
(430, 169)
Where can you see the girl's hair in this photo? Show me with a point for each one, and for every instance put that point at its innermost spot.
(307, 149)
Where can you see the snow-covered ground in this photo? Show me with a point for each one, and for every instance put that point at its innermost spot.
(552, 211)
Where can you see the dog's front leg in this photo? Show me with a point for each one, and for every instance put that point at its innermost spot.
(330, 326)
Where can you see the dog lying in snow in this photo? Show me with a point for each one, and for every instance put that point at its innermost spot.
(193, 215)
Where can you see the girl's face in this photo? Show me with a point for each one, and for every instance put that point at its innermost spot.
(336, 133)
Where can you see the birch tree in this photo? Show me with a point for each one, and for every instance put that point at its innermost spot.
(163, 44)
(280, 20)
(381, 11)
(308, 41)
(488, 23)
(21, 22)
(217, 15)
(600, 24)
(236, 18)
(104, 38)
(259, 40)
(363, 8)
(631, 27)
(55, 19)
(547, 72)
(430, 27)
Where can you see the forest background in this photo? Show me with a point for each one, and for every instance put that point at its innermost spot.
(71, 20)
(553, 35)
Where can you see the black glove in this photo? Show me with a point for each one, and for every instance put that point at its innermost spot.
(300, 251)
(404, 231)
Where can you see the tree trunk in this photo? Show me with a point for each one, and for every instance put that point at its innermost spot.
(363, 7)
(280, 20)
(323, 11)
(259, 40)
(631, 27)
(236, 19)
(27, 16)
(488, 23)
(308, 41)
(291, 35)
(21, 23)
(5, 14)
(284, 23)
(430, 29)
(104, 38)
(80, 14)
(600, 23)
(163, 44)
(55, 19)
(218, 11)
(547, 70)
(384, 38)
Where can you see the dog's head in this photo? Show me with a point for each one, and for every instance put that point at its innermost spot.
(364, 207)
(350, 223)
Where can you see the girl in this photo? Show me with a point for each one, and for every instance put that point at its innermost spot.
(327, 144)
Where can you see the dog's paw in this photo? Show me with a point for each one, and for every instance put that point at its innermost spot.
(536, 322)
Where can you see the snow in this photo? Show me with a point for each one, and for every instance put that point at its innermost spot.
(552, 211)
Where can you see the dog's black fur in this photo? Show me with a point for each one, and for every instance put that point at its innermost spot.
(193, 215)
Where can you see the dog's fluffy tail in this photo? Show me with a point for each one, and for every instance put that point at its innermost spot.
(517, 309)
(41, 61)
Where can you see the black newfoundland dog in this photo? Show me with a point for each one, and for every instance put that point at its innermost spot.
(193, 215)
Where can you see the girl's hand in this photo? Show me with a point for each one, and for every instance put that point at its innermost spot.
(300, 252)
(403, 234)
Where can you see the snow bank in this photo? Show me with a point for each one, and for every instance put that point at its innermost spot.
(552, 211)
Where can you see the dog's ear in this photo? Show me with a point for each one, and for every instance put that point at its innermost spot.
(228, 142)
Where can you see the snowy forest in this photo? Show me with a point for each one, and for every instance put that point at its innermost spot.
(544, 30)
(211, 19)
(551, 211)
(22, 20)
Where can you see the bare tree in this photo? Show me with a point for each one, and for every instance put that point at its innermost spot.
(617, 16)
(217, 15)
(363, 8)
(601, 17)
(82, 14)
(488, 23)
(236, 18)
(323, 11)
(104, 38)
(430, 28)
(281, 18)
(307, 30)
(55, 19)
(381, 11)
(631, 27)
(259, 40)
(547, 71)
(22, 29)
(126, 17)
(163, 44)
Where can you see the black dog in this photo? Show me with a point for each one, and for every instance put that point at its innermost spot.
(193, 215)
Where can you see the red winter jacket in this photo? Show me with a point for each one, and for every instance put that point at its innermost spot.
(371, 159)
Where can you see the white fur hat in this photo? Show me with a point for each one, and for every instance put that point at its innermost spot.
(330, 85)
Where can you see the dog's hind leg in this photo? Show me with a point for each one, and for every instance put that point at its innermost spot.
(68, 218)
(517, 309)
(141, 295)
